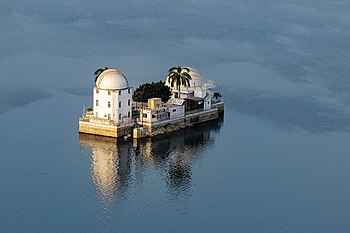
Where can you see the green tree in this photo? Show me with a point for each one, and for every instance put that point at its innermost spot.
(99, 71)
(179, 76)
(151, 90)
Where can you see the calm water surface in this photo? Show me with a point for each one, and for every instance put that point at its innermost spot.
(240, 174)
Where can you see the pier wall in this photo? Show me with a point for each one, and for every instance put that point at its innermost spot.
(174, 125)
(104, 130)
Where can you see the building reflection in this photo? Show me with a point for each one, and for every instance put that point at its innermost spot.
(111, 165)
(173, 155)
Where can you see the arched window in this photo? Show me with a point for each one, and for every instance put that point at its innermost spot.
(129, 91)
(120, 104)
(96, 102)
(129, 114)
(120, 116)
(109, 104)
(128, 102)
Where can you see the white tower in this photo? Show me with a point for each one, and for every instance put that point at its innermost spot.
(112, 97)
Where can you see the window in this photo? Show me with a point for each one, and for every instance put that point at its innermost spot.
(154, 116)
(129, 114)
(109, 92)
(120, 92)
(144, 115)
(120, 104)
(97, 91)
(109, 116)
(174, 110)
(129, 91)
(109, 104)
(128, 102)
(96, 102)
(120, 116)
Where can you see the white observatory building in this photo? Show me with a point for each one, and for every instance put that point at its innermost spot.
(111, 114)
(112, 97)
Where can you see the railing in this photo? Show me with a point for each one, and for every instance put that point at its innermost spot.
(157, 108)
(209, 83)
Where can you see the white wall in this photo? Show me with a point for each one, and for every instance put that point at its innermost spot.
(103, 110)
(207, 103)
(200, 92)
(147, 112)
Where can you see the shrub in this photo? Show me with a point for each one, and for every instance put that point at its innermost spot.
(152, 90)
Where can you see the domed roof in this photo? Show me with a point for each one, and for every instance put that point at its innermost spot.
(197, 78)
(112, 79)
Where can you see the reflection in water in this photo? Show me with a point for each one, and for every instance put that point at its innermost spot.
(111, 165)
(173, 155)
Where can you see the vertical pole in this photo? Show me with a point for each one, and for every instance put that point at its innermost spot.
(142, 114)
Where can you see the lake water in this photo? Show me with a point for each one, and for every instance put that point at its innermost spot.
(278, 161)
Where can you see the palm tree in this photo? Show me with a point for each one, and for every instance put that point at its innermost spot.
(99, 71)
(179, 76)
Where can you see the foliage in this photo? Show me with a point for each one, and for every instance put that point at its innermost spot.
(99, 71)
(179, 76)
(135, 113)
(217, 95)
(89, 109)
(151, 90)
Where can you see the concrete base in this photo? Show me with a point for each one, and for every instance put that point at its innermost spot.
(177, 124)
(104, 130)
(140, 132)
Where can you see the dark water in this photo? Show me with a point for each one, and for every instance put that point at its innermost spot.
(278, 162)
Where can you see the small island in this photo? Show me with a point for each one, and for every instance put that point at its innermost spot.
(184, 99)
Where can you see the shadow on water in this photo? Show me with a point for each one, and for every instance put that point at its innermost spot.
(78, 91)
(113, 160)
(20, 97)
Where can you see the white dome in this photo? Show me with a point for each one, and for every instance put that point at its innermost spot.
(197, 78)
(112, 79)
